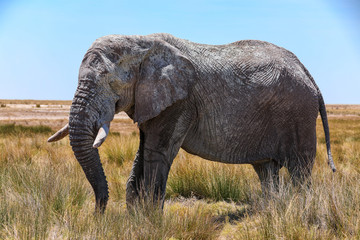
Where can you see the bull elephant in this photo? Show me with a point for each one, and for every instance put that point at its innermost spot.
(248, 102)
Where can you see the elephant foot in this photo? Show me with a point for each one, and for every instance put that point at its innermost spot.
(132, 194)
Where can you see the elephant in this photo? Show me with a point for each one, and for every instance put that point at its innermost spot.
(247, 102)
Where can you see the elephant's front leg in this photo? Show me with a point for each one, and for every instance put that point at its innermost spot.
(163, 138)
(156, 169)
(136, 178)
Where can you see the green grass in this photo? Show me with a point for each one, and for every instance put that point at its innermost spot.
(120, 148)
(191, 176)
(8, 129)
(44, 194)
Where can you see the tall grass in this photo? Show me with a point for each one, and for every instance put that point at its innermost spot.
(45, 195)
(327, 210)
(192, 176)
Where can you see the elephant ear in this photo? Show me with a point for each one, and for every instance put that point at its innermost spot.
(166, 76)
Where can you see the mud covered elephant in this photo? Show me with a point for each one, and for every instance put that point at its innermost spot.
(246, 102)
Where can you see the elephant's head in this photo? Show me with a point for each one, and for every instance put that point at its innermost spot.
(139, 75)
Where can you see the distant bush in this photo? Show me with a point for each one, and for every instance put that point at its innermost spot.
(3, 105)
(7, 129)
(37, 105)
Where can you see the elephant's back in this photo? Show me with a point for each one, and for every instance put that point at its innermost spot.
(247, 63)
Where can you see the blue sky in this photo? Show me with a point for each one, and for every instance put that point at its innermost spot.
(42, 43)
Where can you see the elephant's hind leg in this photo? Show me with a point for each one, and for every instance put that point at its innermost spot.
(300, 170)
(268, 173)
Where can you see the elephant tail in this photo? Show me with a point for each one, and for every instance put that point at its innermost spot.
(322, 110)
(324, 120)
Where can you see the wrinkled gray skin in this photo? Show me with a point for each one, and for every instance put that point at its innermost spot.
(245, 102)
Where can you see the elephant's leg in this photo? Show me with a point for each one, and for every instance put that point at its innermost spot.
(136, 178)
(300, 170)
(268, 173)
(301, 159)
(156, 170)
(162, 141)
(158, 158)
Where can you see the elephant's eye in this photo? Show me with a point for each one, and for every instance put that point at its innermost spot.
(113, 57)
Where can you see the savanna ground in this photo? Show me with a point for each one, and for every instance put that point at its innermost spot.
(44, 193)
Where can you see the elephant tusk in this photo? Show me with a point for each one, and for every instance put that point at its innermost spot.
(101, 136)
(60, 134)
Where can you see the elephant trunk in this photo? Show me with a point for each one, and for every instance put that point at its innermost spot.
(82, 132)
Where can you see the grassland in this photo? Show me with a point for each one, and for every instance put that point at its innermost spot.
(44, 193)
(35, 102)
